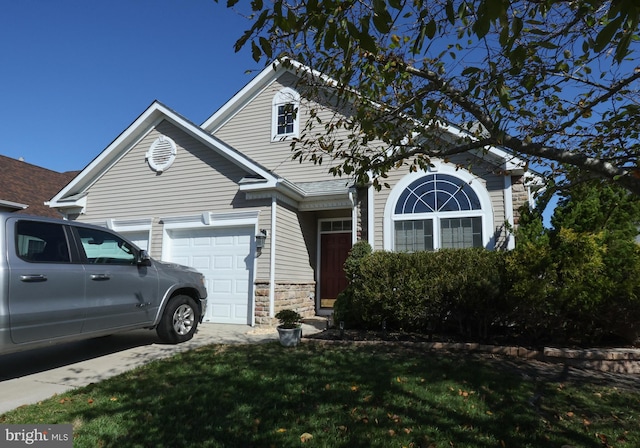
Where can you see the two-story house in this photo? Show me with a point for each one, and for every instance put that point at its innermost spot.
(269, 232)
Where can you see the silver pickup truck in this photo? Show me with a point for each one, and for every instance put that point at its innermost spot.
(64, 280)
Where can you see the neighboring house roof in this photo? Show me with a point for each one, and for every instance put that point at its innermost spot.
(24, 188)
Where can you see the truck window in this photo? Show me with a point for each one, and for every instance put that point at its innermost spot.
(41, 242)
(105, 248)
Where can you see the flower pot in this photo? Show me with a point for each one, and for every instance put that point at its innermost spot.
(289, 337)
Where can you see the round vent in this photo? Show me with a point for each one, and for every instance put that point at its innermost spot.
(161, 154)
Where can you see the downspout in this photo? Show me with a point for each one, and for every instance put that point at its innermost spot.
(272, 258)
(370, 217)
(508, 211)
(354, 217)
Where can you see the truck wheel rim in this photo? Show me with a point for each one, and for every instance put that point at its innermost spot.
(183, 319)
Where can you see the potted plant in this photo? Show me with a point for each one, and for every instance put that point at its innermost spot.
(289, 329)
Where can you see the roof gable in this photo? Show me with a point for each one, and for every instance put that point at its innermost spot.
(498, 156)
(73, 193)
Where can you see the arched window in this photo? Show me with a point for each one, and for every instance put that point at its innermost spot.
(438, 210)
(285, 119)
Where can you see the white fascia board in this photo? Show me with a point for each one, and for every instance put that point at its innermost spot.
(281, 185)
(244, 95)
(257, 85)
(290, 193)
(14, 205)
(89, 175)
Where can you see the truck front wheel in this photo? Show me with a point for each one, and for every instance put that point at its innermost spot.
(179, 320)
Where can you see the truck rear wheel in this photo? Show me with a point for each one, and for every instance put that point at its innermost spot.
(179, 320)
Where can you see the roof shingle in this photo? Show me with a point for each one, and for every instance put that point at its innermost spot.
(24, 183)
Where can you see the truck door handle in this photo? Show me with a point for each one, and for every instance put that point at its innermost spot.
(33, 278)
(99, 277)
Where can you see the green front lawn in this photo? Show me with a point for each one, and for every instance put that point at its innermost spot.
(318, 395)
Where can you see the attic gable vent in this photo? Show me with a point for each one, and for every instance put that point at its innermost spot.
(161, 154)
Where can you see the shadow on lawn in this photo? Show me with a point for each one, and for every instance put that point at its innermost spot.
(264, 395)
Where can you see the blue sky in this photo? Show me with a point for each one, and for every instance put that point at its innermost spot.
(75, 73)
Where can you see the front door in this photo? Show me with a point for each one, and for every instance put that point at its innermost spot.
(334, 250)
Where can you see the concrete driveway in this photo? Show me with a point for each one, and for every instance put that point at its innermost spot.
(35, 375)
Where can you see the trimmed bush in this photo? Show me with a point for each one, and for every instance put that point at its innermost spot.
(575, 289)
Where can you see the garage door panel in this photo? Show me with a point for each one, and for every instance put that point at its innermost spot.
(222, 287)
(185, 261)
(240, 312)
(223, 262)
(201, 262)
(220, 312)
(241, 287)
(222, 255)
(225, 241)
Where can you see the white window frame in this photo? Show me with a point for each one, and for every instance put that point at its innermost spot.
(283, 97)
(485, 212)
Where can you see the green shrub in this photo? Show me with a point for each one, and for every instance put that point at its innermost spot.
(427, 291)
(566, 287)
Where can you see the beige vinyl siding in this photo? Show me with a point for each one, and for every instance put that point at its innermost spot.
(380, 201)
(264, 258)
(199, 180)
(249, 131)
(296, 238)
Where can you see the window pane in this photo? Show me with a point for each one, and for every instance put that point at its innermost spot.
(42, 242)
(413, 236)
(285, 119)
(105, 248)
(437, 193)
(458, 233)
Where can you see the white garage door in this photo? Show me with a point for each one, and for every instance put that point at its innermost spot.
(139, 238)
(225, 257)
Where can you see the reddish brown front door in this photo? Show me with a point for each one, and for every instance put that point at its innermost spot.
(334, 250)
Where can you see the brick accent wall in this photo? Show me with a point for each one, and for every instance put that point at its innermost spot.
(288, 295)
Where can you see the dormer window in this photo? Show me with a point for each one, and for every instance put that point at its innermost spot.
(285, 119)
(285, 114)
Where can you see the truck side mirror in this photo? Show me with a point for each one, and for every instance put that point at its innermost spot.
(143, 258)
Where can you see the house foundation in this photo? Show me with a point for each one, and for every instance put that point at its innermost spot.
(298, 296)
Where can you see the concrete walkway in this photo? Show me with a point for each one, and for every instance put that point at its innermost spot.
(35, 375)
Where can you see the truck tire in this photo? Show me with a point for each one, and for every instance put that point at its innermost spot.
(179, 320)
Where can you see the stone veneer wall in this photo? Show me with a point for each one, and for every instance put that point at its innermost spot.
(519, 195)
(296, 296)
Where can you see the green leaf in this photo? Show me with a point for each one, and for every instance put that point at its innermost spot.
(265, 45)
(255, 52)
(382, 20)
(451, 15)
(606, 34)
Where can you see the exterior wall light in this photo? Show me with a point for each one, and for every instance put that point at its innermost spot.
(261, 238)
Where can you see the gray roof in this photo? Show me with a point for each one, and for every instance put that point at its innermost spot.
(325, 187)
